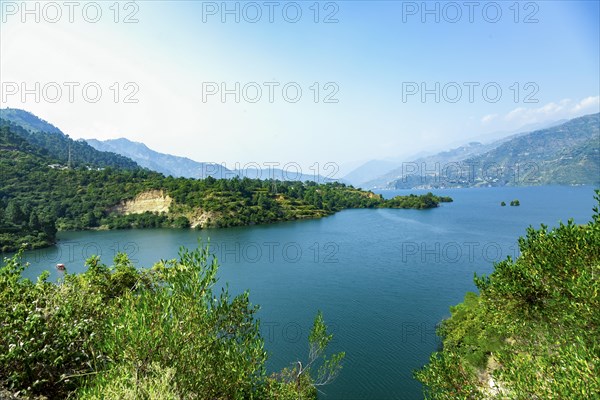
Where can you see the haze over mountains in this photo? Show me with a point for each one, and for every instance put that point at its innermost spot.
(378, 173)
(164, 163)
(184, 167)
(567, 153)
(460, 153)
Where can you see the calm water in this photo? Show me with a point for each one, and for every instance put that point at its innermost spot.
(383, 278)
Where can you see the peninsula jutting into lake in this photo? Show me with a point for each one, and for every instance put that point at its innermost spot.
(98, 190)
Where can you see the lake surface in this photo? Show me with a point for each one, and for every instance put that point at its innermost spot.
(383, 278)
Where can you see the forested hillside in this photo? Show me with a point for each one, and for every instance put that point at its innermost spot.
(64, 150)
(28, 121)
(39, 197)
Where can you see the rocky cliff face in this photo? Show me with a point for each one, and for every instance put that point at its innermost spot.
(152, 200)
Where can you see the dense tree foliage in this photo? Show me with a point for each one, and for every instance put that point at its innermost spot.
(532, 331)
(420, 202)
(161, 333)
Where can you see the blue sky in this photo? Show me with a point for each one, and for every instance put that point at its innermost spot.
(375, 51)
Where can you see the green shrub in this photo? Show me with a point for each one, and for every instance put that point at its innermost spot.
(47, 331)
(534, 327)
(117, 332)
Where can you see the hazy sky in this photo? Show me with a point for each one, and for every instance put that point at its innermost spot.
(316, 82)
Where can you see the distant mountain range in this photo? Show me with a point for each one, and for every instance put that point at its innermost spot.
(166, 164)
(429, 163)
(567, 153)
(184, 167)
(376, 174)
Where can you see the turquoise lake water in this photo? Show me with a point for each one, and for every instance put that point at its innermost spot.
(383, 278)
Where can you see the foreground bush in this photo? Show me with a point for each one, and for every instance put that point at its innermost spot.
(120, 333)
(533, 330)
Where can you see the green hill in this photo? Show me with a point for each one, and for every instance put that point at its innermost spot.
(58, 145)
(39, 197)
(28, 121)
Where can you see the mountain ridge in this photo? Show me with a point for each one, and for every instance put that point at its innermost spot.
(178, 166)
(380, 176)
(28, 121)
(167, 164)
(538, 163)
(566, 154)
(60, 146)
